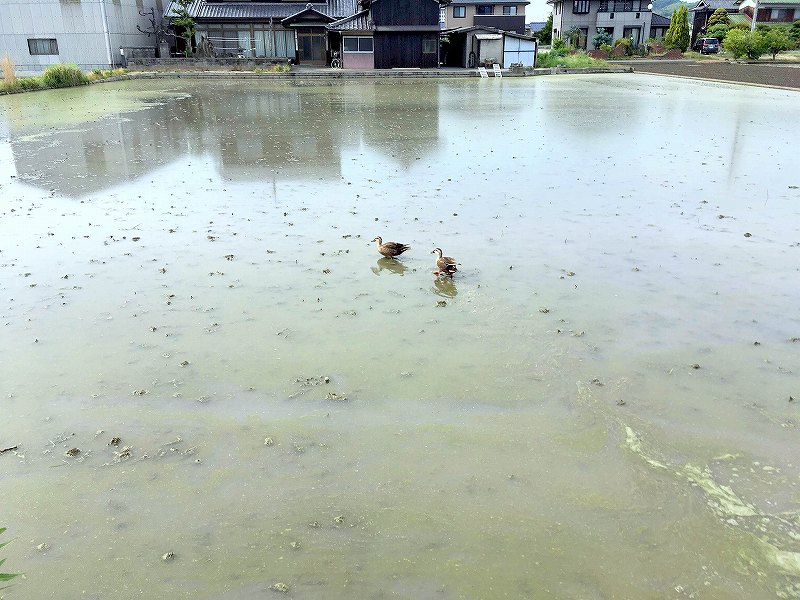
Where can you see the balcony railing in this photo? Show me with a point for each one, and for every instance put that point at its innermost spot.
(623, 6)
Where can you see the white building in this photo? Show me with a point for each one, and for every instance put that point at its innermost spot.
(88, 33)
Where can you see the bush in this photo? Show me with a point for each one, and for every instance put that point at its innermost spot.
(60, 76)
(601, 38)
(560, 47)
(607, 48)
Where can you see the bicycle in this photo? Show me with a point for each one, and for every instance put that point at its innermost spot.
(336, 62)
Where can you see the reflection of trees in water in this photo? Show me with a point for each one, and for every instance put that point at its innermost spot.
(283, 132)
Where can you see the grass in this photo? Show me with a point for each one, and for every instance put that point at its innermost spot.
(5, 576)
(8, 69)
(61, 76)
(96, 74)
(579, 60)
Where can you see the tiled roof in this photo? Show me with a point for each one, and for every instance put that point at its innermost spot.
(781, 3)
(260, 11)
(357, 22)
(659, 21)
(498, 2)
(712, 5)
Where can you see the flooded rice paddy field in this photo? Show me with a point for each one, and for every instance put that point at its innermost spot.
(214, 387)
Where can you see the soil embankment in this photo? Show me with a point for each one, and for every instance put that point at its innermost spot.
(779, 75)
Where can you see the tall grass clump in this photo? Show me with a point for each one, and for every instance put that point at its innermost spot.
(5, 576)
(60, 76)
(9, 76)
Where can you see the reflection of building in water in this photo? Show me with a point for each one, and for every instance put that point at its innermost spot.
(262, 135)
(402, 122)
(280, 133)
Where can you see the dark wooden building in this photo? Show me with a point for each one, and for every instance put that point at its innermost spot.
(406, 33)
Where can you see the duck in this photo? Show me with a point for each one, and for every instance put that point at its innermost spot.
(390, 249)
(446, 264)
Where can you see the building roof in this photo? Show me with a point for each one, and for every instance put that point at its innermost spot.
(262, 11)
(497, 2)
(537, 25)
(489, 30)
(781, 3)
(712, 5)
(358, 22)
(659, 21)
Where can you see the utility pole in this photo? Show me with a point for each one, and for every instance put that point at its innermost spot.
(755, 13)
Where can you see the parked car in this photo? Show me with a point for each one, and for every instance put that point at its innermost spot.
(706, 45)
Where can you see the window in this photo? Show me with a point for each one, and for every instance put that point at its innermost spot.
(484, 9)
(632, 33)
(39, 46)
(459, 12)
(778, 14)
(429, 46)
(358, 44)
(512, 10)
(580, 7)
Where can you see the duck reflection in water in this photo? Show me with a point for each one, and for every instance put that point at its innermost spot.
(389, 264)
(444, 286)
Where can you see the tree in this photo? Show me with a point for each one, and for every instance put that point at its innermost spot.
(677, 35)
(670, 34)
(545, 34)
(751, 44)
(601, 37)
(777, 40)
(718, 16)
(719, 31)
(184, 23)
(794, 32)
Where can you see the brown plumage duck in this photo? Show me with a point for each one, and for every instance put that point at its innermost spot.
(390, 249)
(446, 264)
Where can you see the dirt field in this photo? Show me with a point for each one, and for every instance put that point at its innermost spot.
(787, 76)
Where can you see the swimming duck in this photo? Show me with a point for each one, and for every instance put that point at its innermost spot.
(390, 249)
(446, 264)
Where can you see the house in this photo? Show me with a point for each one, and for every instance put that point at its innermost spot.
(278, 30)
(88, 33)
(508, 16)
(379, 34)
(390, 34)
(476, 45)
(702, 11)
(771, 12)
(658, 26)
(580, 19)
(535, 26)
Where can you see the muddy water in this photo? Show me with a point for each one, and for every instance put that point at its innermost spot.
(596, 406)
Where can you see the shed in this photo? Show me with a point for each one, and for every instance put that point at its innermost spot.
(518, 49)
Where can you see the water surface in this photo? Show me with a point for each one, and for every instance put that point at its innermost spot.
(596, 406)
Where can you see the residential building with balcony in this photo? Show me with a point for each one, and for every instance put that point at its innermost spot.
(621, 18)
(508, 16)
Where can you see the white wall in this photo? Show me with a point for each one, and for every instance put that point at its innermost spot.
(78, 27)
